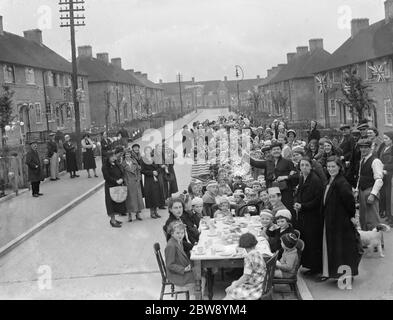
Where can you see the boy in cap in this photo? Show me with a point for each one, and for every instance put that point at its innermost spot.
(286, 266)
(209, 198)
(276, 231)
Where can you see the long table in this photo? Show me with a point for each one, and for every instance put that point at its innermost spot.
(214, 251)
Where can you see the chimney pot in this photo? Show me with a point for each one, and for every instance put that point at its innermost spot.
(160, 81)
(193, 79)
(1, 26)
(85, 51)
(302, 50)
(316, 44)
(116, 62)
(388, 10)
(225, 78)
(103, 57)
(258, 76)
(357, 25)
(144, 75)
(138, 73)
(290, 56)
(269, 72)
(33, 35)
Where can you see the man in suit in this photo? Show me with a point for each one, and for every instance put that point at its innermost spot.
(277, 171)
(347, 143)
(34, 169)
(53, 157)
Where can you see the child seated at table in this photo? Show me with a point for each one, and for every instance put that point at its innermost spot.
(239, 200)
(276, 231)
(178, 265)
(196, 210)
(249, 286)
(223, 208)
(264, 196)
(286, 266)
(238, 183)
(266, 220)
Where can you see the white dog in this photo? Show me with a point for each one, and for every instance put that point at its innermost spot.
(373, 239)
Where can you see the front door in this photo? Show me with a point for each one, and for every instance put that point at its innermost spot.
(24, 116)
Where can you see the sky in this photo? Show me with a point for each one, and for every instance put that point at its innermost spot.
(204, 39)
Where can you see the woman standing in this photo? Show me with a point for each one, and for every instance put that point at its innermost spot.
(314, 133)
(106, 145)
(310, 223)
(132, 177)
(72, 166)
(114, 176)
(340, 246)
(154, 197)
(186, 141)
(88, 155)
(385, 154)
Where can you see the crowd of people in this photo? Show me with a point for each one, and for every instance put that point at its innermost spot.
(308, 189)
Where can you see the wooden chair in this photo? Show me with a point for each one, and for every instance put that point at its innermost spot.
(292, 282)
(165, 282)
(267, 287)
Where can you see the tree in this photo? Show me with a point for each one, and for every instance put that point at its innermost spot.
(5, 110)
(255, 99)
(279, 102)
(357, 95)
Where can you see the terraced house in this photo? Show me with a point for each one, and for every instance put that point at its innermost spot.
(368, 52)
(117, 95)
(41, 81)
(291, 91)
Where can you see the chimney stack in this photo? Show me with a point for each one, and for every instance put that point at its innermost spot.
(1, 26)
(103, 57)
(316, 44)
(138, 73)
(33, 35)
(258, 77)
(269, 72)
(302, 50)
(193, 79)
(290, 56)
(144, 75)
(131, 70)
(225, 78)
(116, 62)
(388, 11)
(85, 51)
(357, 25)
(160, 81)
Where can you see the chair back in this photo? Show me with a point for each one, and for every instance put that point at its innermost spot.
(297, 232)
(270, 268)
(160, 261)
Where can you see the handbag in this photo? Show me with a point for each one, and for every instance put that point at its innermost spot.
(118, 194)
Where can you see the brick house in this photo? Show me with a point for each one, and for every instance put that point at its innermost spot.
(41, 80)
(368, 52)
(116, 95)
(291, 92)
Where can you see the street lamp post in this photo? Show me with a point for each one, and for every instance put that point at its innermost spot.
(237, 68)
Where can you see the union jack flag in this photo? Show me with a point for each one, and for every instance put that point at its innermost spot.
(378, 71)
(322, 83)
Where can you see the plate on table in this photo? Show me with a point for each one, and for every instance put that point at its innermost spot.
(199, 253)
(227, 253)
(212, 234)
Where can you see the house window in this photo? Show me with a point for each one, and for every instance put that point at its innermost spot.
(388, 112)
(222, 102)
(69, 110)
(30, 79)
(337, 76)
(38, 114)
(125, 111)
(48, 111)
(9, 74)
(188, 103)
(333, 108)
(49, 79)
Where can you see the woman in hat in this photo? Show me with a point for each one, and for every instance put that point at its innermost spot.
(88, 155)
(385, 154)
(310, 221)
(329, 150)
(72, 166)
(114, 176)
(154, 195)
(132, 178)
(340, 245)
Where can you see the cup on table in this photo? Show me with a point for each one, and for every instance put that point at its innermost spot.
(247, 216)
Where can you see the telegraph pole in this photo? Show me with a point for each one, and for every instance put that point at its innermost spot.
(72, 20)
(237, 67)
(181, 100)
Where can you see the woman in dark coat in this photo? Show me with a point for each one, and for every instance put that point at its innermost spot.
(314, 133)
(340, 246)
(385, 154)
(35, 174)
(72, 165)
(106, 146)
(114, 176)
(88, 155)
(154, 196)
(310, 221)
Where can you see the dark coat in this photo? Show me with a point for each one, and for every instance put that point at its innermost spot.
(154, 195)
(33, 162)
(52, 148)
(176, 260)
(347, 145)
(272, 172)
(275, 239)
(310, 220)
(342, 245)
(387, 159)
(314, 135)
(106, 145)
(111, 174)
(70, 156)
